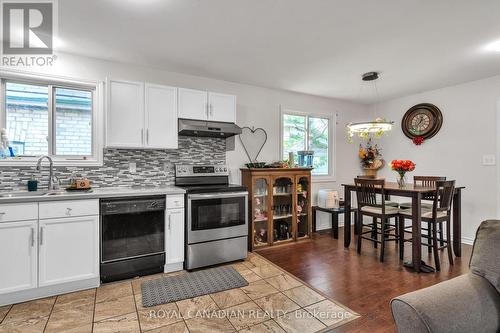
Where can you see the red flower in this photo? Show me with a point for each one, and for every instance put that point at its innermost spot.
(402, 165)
(418, 140)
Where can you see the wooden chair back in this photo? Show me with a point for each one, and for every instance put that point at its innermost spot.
(367, 190)
(427, 181)
(445, 189)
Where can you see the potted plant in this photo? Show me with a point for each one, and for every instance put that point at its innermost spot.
(370, 157)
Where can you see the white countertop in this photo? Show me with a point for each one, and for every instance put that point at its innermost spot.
(95, 193)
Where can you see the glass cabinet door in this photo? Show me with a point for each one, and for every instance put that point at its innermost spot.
(303, 203)
(260, 213)
(282, 209)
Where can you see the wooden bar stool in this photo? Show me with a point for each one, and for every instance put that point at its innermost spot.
(439, 214)
(367, 191)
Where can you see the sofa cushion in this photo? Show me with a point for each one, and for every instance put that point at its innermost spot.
(486, 252)
(467, 303)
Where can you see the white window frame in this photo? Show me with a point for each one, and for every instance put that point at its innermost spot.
(54, 81)
(332, 121)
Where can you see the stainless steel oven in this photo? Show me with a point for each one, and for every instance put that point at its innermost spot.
(216, 216)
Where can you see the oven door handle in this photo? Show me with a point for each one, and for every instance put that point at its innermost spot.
(217, 195)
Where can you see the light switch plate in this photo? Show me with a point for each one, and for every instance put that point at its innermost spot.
(489, 159)
(132, 167)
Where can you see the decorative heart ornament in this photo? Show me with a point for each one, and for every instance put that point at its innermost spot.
(253, 140)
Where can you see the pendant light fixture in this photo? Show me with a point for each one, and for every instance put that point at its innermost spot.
(377, 127)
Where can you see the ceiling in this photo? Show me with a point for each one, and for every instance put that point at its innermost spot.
(318, 47)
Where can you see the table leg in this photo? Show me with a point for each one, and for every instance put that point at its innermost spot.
(347, 216)
(457, 223)
(335, 224)
(314, 219)
(416, 231)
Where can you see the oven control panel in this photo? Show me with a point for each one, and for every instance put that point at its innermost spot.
(184, 170)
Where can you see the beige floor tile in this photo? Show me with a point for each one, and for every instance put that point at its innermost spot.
(239, 267)
(228, 298)
(114, 307)
(218, 324)
(136, 283)
(179, 327)
(257, 260)
(328, 312)
(248, 264)
(300, 321)
(193, 307)
(76, 299)
(127, 323)
(245, 315)
(283, 282)
(266, 271)
(159, 316)
(34, 325)
(3, 311)
(276, 304)
(269, 326)
(303, 296)
(250, 276)
(258, 289)
(69, 318)
(111, 291)
(29, 310)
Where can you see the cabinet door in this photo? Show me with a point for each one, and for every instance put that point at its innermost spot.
(222, 107)
(193, 104)
(68, 249)
(161, 117)
(303, 208)
(18, 256)
(175, 236)
(125, 114)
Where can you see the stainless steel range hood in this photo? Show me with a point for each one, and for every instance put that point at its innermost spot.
(208, 128)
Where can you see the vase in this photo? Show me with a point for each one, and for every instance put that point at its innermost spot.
(401, 180)
(370, 172)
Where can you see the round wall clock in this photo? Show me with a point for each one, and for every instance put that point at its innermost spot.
(422, 120)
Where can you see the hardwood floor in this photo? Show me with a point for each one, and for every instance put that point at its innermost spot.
(360, 282)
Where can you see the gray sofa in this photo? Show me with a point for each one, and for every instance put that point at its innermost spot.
(468, 303)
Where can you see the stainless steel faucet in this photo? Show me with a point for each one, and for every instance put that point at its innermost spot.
(51, 169)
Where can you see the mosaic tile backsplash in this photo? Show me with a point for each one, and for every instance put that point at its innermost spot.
(153, 167)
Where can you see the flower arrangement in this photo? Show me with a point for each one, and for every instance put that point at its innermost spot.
(402, 167)
(418, 140)
(369, 154)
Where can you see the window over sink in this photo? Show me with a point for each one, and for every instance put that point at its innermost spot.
(43, 116)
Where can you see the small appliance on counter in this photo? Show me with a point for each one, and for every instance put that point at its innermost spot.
(328, 199)
(216, 215)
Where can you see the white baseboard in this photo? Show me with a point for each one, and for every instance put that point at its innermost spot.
(178, 266)
(467, 240)
(31, 294)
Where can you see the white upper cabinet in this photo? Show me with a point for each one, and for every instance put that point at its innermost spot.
(141, 115)
(161, 116)
(18, 256)
(125, 115)
(193, 104)
(221, 107)
(210, 106)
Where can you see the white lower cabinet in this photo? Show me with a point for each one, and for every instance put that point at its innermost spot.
(18, 256)
(174, 236)
(68, 249)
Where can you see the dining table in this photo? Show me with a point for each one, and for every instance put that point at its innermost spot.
(415, 192)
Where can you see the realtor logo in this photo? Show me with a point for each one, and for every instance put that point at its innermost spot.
(27, 27)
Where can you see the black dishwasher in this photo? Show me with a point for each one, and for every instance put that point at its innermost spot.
(132, 233)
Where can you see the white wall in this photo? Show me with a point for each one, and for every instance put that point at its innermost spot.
(258, 107)
(469, 131)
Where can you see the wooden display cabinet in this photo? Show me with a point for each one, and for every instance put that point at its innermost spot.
(280, 209)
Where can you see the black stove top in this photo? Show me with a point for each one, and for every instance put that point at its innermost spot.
(213, 188)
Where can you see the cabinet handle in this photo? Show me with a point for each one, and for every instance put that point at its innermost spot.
(41, 235)
(68, 211)
(206, 107)
(32, 237)
(169, 221)
(211, 111)
(147, 136)
(142, 135)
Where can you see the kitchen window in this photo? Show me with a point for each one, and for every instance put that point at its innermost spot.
(44, 117)
(314, 132)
